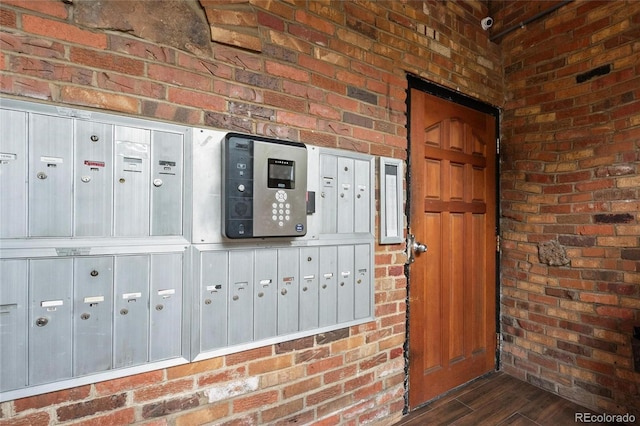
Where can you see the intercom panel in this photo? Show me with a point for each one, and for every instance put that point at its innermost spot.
(264, 187)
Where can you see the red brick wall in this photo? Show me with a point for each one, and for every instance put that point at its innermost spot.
(333, 74)
(571, 173)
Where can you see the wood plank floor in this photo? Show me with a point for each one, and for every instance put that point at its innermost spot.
(497, 400)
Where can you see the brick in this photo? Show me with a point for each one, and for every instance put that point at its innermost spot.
(271, 364)
(301, 387)
(254, 401)
(128, 383)
(51, 398)
(163, 389)
(207, 414)
(323, 395)
(281, 410)
(91, 407)
(164, 408)
(62, 31)
(98, 99)
(40, 418)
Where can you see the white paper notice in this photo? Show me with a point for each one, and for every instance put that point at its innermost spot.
(391, 205)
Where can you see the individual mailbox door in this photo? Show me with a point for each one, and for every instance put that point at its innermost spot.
(288, 290)
(93, 179)
(166, 183)
(132, 150)
(165, 340)
(362, 201)
(92, 314)
(240, 296)
(13, 324)
(362, 286)
(50, 290)
(131, 314)
(50, 176)
(309, 296)
(345, 194)
(345, 283)
(13, 174)
(214, 274)
(328, 195)
(328, 282)
(265, 290)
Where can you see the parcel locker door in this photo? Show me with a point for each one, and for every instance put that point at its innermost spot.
(166, 183)
(345, 194)
(131, 314)
(362, 201)
(265, 290)
(288, 290)
(240, 296)
(214, 273)
(328, 196)
(165, 340)
(93, 179)
(50, 290)
(309, 296)
(362, 286)
(345, 283)
(92, 314)
(50, 176)
(13, 174)
(13, 324)
(328, 283)
(131, 192)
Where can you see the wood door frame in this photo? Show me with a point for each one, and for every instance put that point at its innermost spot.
(434, 89)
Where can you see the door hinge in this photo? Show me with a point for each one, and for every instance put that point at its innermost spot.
(498, 342)
(497, 243)
(497, 145)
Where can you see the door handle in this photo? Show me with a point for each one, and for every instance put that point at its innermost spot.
(413, 247)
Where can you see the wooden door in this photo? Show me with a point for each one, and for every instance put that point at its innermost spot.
(452, 332)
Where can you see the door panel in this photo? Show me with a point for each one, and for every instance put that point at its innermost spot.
(452, 285)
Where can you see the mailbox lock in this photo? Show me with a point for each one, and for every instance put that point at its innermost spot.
(85, 316)
(324, 286)
(124, 311)
(236, 297)
(305, 288)
(283, 291)
(85, 179)
(342, 284)
(207, 301)
(309, 259)
(359, 281)
(157, 183)
(94, 273)
(41, 175)
(121, 180)
(260, 294)
(94, 138)
(42, 321)
(159, 307)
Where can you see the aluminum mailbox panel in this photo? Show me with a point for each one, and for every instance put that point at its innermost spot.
(345, 283)
(13, 174)
(288, 290)
(362, 286)
(240, 296)
(165, 337)
(328, 283)
(93, 195)
(131, 311)
(329, 193)
(266, 297)
(309, 296)
(167, 157)
(13, 324)
(214, 275)
(132, 150)
(362, 201)
(50, 176)
(93, 314)
(50, 326)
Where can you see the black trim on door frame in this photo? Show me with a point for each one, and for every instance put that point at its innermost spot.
(415, 82)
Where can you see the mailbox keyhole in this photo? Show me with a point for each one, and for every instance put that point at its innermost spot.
(42, 321)
(94, 273)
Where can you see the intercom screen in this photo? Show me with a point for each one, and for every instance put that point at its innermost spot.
(281, 173)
